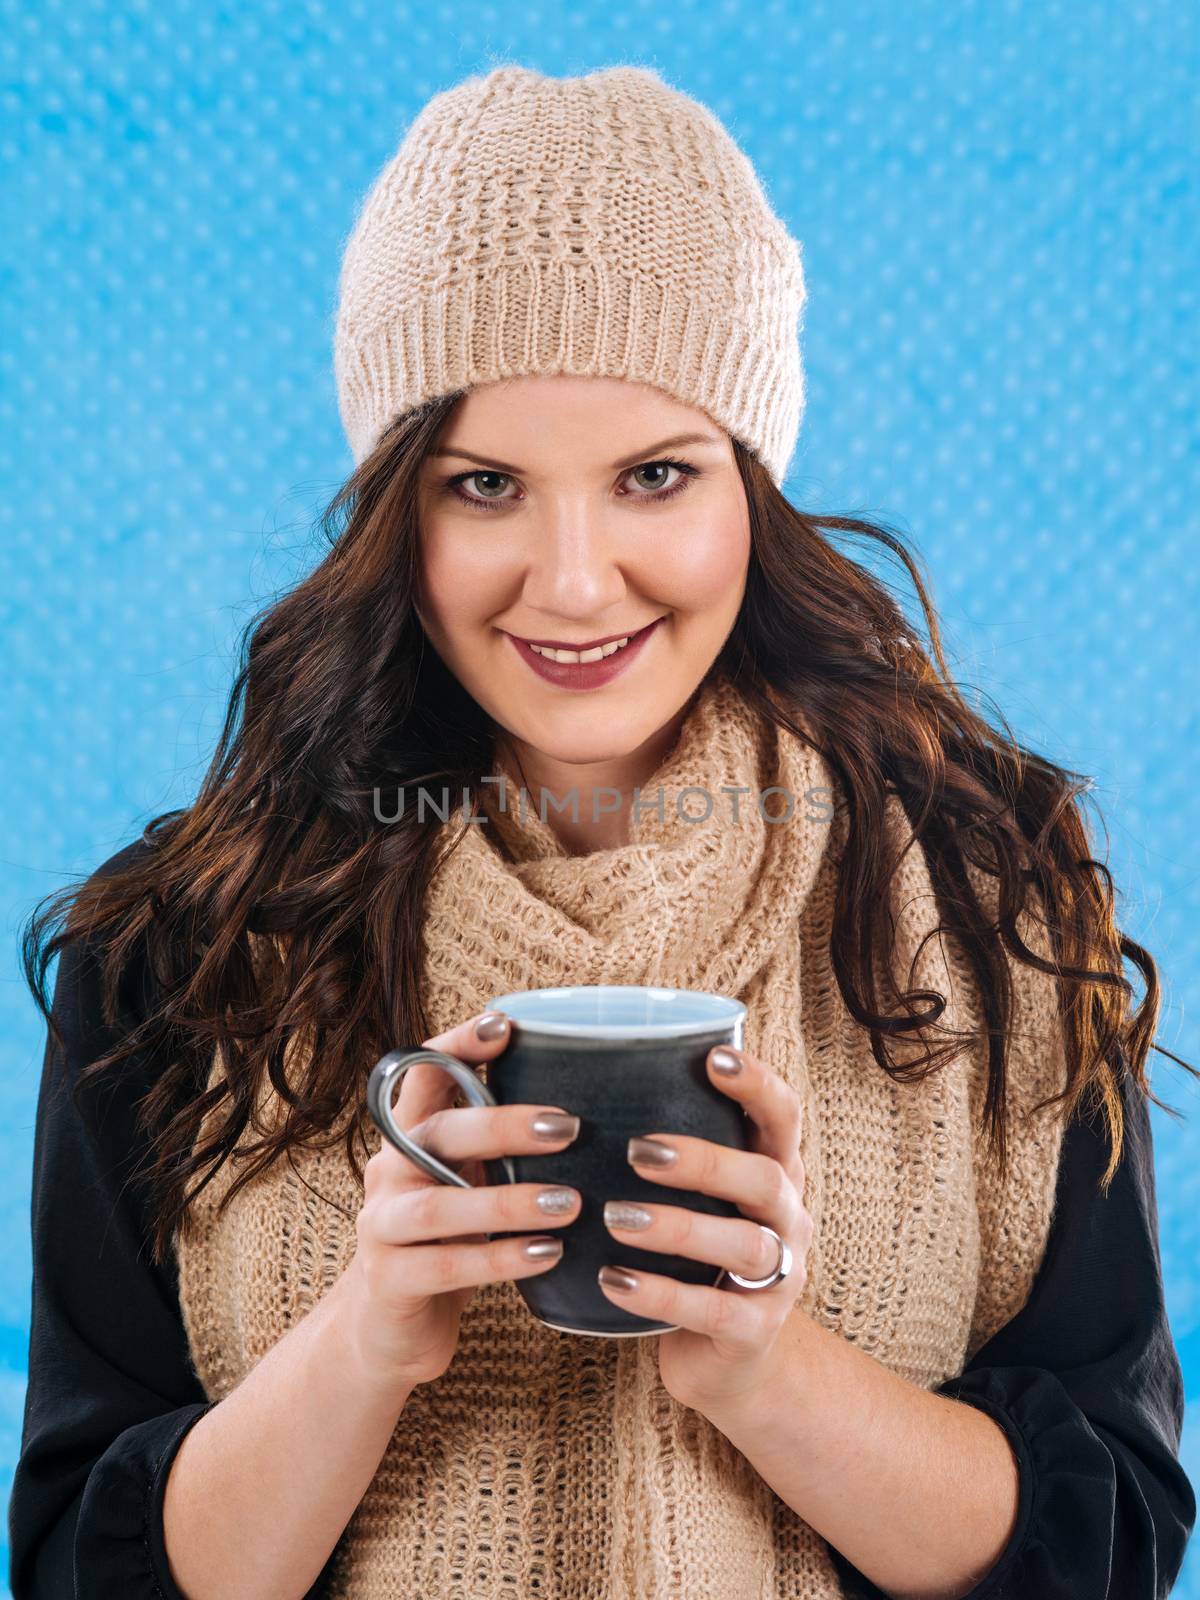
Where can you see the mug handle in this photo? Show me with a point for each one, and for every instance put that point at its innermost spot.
(387, 1073)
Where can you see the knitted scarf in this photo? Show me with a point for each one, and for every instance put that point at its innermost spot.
(556, 1464)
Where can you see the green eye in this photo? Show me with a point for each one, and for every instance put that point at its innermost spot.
(486, 493)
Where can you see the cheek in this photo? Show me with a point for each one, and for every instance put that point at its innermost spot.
(461, 579)
(706, 567)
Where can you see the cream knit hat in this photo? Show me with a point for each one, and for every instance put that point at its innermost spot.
(602, 225)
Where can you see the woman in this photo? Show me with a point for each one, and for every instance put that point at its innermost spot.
(568, 367)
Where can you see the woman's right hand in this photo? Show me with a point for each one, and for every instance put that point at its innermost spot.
(422, 1251)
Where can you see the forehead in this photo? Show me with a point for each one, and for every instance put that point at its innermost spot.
(535, 420)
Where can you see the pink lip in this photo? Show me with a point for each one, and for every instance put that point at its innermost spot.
(567, 644)
(585, 674)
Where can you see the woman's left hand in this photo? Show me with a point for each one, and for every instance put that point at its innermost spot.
(725, 1338)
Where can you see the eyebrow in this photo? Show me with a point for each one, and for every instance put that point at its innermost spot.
(649, 454)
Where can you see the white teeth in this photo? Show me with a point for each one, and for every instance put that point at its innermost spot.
(573, 656)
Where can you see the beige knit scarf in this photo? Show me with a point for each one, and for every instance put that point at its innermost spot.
(554, 1464)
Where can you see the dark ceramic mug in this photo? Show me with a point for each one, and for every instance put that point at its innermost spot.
(626, 1060)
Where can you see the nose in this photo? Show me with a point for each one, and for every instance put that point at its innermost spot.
(573, 571)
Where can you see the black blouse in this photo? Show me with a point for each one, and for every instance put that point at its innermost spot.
(1085, 1379)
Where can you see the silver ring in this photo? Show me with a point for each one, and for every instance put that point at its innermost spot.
(782, 1267)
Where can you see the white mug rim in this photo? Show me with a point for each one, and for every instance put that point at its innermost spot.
(720, 1012)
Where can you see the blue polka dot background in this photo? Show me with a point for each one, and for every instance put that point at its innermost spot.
(997, 206)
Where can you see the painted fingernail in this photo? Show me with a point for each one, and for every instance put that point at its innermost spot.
(543, 1249)
(623, 1214)
(554, 1125)
(617, 1278)
(725, 1062)
(491, 1025)
(651, 1153)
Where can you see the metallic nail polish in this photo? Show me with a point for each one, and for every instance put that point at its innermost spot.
(557, 1202)
(542, 1249)
(624, 1214)
(491, 1025)
(725, 1062)
(650, 1153)
(554, 1125)
(617, 1278)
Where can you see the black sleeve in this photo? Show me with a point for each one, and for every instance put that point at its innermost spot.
(1086, 1383)
(112, 1390)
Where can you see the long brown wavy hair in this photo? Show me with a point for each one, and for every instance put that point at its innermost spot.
(336, 696)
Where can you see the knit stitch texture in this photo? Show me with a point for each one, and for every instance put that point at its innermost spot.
(603, 225)
(557, 1464)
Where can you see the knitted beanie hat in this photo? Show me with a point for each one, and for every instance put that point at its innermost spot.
(602, 225)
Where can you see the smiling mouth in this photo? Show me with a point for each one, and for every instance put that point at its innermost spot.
(569, 655)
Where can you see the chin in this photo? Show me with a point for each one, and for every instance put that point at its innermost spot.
(586, 728)
(582, 738)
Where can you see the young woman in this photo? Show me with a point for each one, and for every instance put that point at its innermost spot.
(687, 741)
